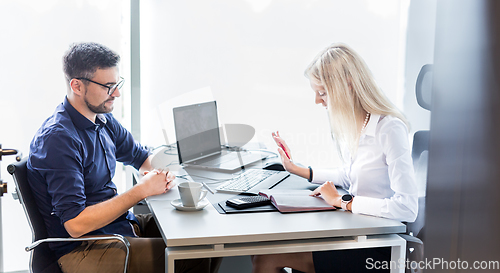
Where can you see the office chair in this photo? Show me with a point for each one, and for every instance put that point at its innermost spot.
(42, 259)
(420, 151)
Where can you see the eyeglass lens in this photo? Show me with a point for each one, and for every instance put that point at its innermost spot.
(116, 86)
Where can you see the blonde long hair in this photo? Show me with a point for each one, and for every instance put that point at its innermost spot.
(351, 91)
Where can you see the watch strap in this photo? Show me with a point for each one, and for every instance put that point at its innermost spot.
(343, 203)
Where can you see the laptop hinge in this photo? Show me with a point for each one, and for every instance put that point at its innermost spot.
(203, 157)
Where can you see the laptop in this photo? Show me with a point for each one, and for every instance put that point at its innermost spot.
(198, 140)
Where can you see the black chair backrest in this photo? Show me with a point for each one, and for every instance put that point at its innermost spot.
(42, 257)
(423, 87)
(423, 92)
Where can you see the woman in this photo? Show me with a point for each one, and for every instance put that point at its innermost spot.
(372, 138)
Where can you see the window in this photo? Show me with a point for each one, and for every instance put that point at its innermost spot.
(252, 54)
(35, 35)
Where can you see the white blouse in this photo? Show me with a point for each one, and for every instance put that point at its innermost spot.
(381, 177)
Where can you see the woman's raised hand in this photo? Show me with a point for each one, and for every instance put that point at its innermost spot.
(284, 151)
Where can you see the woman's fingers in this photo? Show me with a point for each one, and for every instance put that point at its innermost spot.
(282, 146)
(317, 191)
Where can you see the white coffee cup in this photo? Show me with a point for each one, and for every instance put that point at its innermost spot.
(191, 193)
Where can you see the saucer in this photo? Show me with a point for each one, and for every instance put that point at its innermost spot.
(177, 203)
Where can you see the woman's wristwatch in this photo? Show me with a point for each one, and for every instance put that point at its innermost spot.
(346, 199)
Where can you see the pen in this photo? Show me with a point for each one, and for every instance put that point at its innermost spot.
(208, 188)
(286, 153)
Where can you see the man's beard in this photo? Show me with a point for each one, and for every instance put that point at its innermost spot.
(99, 109)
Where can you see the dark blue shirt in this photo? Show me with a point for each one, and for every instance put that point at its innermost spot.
(71, 164)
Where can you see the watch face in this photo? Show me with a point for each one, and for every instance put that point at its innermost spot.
(346, 197)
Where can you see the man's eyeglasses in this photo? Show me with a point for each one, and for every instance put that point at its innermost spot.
(111, 89)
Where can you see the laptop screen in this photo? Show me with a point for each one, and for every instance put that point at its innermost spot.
(196, 130)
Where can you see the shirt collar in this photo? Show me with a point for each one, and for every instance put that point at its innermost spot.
(371, 126)
(80, 121)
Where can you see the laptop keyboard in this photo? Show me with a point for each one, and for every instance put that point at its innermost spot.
(246, 180)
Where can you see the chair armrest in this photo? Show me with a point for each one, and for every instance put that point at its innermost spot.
(411, 239)
(414, 252)
(86, 238)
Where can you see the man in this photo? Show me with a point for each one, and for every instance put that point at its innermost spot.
(72, 162)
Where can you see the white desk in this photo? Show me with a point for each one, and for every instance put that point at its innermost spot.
(207, 233)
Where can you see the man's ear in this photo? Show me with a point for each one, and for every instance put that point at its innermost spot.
(77, 87)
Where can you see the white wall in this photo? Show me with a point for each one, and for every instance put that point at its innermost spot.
(33, 38)
(253, 54)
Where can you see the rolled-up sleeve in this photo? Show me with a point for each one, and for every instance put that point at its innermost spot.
(58, 159)
(403, 204)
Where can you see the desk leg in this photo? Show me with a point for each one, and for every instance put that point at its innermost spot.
(169, 262)
(398, 254)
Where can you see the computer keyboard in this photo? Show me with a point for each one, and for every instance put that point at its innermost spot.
(247, 180)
